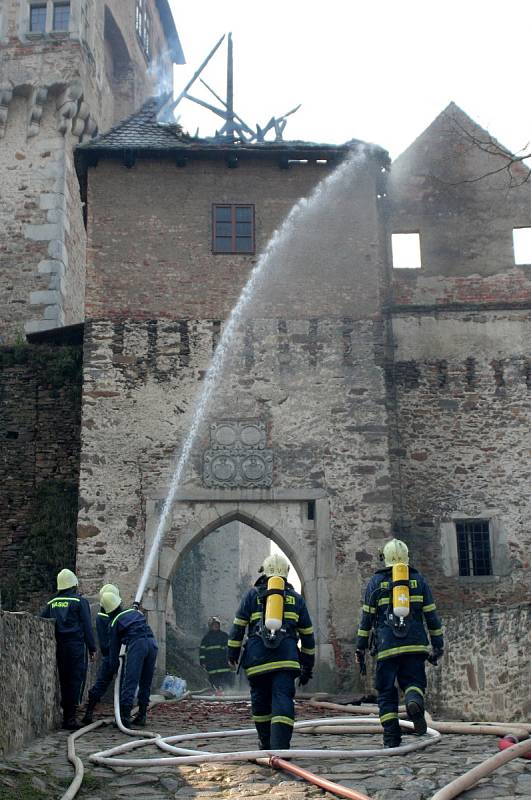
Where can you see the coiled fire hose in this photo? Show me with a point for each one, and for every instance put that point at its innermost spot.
(359, 722)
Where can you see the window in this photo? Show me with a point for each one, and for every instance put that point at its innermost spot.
(37, 18)
(233, 229)
(406, 250)
(522, 245)
(61, 16)
(143, 26)
(473, 547)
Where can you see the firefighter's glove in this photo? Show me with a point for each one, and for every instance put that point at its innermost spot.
(435, 655)
(233, 662)
(305, 676)
(359, 655)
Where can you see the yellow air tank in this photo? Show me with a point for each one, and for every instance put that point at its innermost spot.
(401, 593)
(274, 611)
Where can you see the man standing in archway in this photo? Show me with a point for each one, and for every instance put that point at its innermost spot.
(271, 658)
(213, 655)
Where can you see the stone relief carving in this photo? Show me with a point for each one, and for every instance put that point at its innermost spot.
(238, 457)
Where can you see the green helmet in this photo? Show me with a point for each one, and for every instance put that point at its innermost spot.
(110, 601)
(109, 587)
(276, 564)
(66, 579)
(395, 552)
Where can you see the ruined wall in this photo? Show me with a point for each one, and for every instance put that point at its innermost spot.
(486, 672)
(28, 685)
(454, 187)
(40, 404)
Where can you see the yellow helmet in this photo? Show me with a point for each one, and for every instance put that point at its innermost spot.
(109, 587)
(66, 580)
(276, 564)
(110, 601)
(395, 552)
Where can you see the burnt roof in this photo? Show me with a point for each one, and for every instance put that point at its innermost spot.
(142, 135)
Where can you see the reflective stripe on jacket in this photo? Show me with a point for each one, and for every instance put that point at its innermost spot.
(259, 659)
(378, 603)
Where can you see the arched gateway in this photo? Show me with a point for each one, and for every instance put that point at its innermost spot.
(306, 542)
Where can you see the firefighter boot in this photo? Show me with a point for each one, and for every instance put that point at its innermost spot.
(125, 714)
(139, 720)
(70, 722)
(88, 718)
(416, 715)
(391, 734)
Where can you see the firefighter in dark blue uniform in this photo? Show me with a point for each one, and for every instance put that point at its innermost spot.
(213, 655)
(104, 676)
(402, 649)
(129, 627)
(73, 636)
(272, 671)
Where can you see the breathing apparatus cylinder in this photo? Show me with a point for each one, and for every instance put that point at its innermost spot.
(274, 610)
(401, 592)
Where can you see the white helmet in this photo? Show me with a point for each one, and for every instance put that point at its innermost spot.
(110, 601)
(276, 564)
(109, 587)
(395, 552)
(66, 580)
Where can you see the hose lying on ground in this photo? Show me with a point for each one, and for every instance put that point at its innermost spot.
(343, 724)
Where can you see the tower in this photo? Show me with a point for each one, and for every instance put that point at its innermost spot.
(67, 71)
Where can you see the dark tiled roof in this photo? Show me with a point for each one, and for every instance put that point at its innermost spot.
(142, 134)
(140, 131)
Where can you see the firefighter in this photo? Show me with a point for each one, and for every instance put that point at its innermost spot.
(129, 627)
(73, 636)
(396, 609)
(104, 676)
(213, 655)
(271, 658)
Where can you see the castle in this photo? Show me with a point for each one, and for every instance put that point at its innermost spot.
(366, 394)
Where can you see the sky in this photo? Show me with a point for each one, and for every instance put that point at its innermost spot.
(379, 70)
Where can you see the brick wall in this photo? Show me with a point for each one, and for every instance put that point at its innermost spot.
(149, 254)
(39, 430)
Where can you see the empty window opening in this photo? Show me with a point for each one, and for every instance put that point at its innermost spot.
(522, 245)
(311, 509)
(406, 250)
(233, 229)
(37, 18)
(61, 16)
(12, 435)
(473, 547)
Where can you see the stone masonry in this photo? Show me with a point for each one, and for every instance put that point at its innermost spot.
(58, 88)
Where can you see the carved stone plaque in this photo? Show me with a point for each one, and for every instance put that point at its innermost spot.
(238, 457)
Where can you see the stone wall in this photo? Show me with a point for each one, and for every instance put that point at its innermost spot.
(57, 89)
(462, 390)
(323, 407)
(40, 395)
(28, 685)
(485, 673)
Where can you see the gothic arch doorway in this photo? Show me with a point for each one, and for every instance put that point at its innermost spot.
(305, 541)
